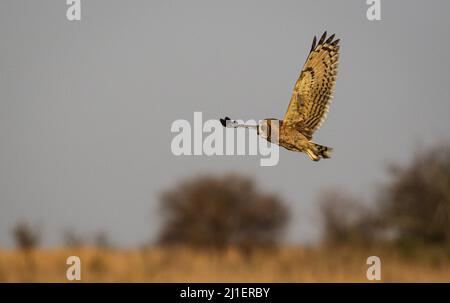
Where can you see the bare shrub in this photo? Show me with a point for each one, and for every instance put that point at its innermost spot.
(72, 239)
(27, 240)
(101, 240)
(345, 219)
(26, 237)
(218, 212)
(415, 205)
(412, 208)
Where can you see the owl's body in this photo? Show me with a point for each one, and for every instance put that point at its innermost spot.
(292, 138)
(309, 104)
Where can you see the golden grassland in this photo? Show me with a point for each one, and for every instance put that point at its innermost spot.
(286, 264)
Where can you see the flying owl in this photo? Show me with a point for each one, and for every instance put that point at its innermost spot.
(309, 104)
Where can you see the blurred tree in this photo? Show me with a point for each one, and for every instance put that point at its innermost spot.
(72, 239)
(26, 238)
(101, 240)
(345, 219)
(416, 203)
(412, 208)
(217, 212)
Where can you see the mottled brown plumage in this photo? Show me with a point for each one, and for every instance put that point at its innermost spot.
(309, 102)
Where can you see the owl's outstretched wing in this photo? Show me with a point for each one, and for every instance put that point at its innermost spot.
(314, 88)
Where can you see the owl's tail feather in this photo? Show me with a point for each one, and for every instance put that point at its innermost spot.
(317, 151)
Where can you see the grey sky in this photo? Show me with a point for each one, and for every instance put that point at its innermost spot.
(86, 107)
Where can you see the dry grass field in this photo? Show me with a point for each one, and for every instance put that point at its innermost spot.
(287, 264)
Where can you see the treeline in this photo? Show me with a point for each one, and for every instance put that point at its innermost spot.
(412, 208)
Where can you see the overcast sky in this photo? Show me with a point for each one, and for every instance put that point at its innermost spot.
(86, 107)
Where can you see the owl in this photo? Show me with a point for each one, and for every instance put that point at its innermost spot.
(309, 103)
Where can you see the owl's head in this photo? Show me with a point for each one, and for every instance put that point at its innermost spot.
(268, 128)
